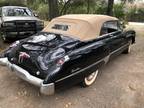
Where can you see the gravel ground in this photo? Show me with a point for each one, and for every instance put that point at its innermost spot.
(120, 85)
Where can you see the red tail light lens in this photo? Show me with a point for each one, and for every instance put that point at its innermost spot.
(60, 62)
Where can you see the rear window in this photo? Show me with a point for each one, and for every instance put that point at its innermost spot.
(109, 27)
(60, 27)
(111, 24)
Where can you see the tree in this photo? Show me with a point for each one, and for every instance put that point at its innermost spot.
(65, 6)
(88, 6)
(110, 7)
(53, 9)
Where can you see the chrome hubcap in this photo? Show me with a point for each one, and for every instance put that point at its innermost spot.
(90, 77)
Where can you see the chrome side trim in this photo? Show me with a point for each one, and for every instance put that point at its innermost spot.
(119, 49)
(80, 70)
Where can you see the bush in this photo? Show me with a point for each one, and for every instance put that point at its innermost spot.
(135, 14)
(119, 11)
(12, 2)
(42, 11)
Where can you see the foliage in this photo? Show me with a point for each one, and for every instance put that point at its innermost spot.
(42, 11)
(11, 2)
(40, 7)
(135, 14)
(84, 7)
(120, 10)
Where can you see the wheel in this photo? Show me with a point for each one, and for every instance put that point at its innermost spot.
(128, 50)
(90, 79)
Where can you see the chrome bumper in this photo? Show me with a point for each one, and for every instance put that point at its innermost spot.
(47, 89)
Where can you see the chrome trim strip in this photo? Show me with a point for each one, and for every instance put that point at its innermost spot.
(80, 70)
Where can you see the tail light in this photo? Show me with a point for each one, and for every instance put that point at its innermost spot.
(60, 62)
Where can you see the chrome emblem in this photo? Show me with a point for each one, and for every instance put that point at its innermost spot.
(22, 56)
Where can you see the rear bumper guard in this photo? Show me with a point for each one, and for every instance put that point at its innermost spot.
(47, 89)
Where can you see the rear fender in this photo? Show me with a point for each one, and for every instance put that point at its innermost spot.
(130, 35)
(79, 64)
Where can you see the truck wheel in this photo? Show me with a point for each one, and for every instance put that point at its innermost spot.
(90, 79)
(128, 50)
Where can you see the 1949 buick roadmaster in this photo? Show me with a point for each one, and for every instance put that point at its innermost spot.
(18, 22)
(70, 50)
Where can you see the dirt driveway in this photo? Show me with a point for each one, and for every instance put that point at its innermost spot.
(120, 85)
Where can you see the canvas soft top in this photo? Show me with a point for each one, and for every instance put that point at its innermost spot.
(82, 26)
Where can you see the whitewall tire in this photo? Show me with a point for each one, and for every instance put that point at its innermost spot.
(128, 50)
(90, 79)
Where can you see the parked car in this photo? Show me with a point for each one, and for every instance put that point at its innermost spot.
(70, 50)
(18, 22)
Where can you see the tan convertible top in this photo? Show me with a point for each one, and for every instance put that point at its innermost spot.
(80, 26)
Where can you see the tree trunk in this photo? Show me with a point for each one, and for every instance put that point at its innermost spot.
(65, 7)
(53, 9)
(110, 7)
(88, 6)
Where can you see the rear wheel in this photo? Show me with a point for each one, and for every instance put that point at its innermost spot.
(90, 79)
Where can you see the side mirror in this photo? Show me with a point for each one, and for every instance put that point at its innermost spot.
(35, 14)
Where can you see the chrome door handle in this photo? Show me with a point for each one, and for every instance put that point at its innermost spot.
(111, 35)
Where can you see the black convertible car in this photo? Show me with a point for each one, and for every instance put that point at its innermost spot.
(18, 22)
(70, 50)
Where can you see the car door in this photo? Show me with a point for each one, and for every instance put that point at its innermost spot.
(115, 38)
